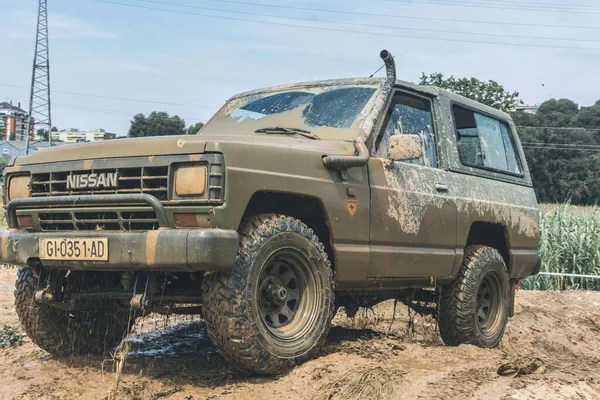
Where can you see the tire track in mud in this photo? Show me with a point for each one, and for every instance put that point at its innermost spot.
(173, 358)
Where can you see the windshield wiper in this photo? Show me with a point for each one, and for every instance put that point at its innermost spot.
(289, 131)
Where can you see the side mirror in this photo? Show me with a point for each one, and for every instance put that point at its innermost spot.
(405, 147)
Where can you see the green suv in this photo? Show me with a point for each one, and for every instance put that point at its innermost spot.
(291, 202)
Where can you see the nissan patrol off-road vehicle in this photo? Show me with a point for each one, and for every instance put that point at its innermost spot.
(291, 202)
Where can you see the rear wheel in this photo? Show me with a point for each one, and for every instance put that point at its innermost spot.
(275, 308)
(62, 333)
(474, 308)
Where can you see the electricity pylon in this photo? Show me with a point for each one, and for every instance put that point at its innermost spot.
(39, 98)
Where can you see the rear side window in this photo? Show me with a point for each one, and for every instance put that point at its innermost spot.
(484, 142)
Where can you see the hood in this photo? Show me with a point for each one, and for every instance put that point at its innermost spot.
(174, 145)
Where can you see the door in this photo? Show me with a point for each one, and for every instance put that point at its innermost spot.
(413, 218)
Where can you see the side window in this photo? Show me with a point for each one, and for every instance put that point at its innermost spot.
(484, 142)
(410, 115)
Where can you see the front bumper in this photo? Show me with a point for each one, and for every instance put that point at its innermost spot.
(164, 249)
(158, 250)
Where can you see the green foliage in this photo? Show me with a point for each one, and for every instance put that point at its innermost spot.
(569, 243)
(567, 168)
(42, 134)
(3, 164)
(490, 93)
(9, 337)
(158, 123)
(193, 129)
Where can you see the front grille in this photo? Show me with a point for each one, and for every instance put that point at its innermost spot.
(61, 220)
(151, 180)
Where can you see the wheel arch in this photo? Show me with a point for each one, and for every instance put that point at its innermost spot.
(491, 234)
(308, 209)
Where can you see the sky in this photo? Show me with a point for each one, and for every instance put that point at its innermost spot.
(111, 59)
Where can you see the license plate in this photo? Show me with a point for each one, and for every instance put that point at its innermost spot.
(81, 249)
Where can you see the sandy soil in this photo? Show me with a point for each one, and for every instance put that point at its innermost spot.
(372, 356)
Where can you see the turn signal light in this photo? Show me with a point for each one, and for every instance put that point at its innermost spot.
(192, 220)
(25, 221)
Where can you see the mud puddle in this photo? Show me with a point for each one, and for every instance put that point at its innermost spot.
(178, 339)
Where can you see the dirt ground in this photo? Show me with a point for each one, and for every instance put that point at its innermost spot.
(373, 356)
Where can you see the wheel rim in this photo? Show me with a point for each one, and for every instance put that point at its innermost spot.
(286, 295)
(489, 304)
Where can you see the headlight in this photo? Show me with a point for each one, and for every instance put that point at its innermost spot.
(19, 187)
(190, 180)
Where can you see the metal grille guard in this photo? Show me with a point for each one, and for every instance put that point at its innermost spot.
(137, 198)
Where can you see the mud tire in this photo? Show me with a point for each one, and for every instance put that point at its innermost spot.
(458, 318)
(232, 308)
(61, 333)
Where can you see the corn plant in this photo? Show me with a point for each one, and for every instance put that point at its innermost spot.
(569, 244)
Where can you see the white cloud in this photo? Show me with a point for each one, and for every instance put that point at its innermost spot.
(21, 25)
(66, 27)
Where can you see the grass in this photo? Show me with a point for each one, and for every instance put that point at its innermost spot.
(569, 243)
(10, 337)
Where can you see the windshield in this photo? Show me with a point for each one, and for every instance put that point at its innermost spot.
(324, 111)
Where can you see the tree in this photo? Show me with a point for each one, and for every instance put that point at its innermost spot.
(193, 129)
(589, 117)
(158, 123)
(562, 158)
(560, 112)
(3, 164)
(42, 134)
(490, 93)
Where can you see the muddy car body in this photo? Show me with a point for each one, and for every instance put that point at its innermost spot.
(290, 202)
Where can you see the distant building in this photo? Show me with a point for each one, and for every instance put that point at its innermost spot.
(76, 136)
(528, 109)
(13, 122)
(14, 148)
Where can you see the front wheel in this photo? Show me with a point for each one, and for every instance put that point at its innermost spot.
(275, 308)
(62, 333)
(474, 308)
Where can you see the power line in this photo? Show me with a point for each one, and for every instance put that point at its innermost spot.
(558, 148)
(115, 98)
(564, 128)
(368, 25)
(548, 149)
(555, 146)
(116, 112)
(347, 30)
(542, 3)
(405, 16)
(215, 107)
(498, 7)
(591, 146)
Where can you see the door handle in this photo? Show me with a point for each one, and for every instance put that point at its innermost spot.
(441, 187)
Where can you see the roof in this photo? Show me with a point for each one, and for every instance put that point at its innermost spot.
(43, 145)
(7, 106)
(17, 144)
